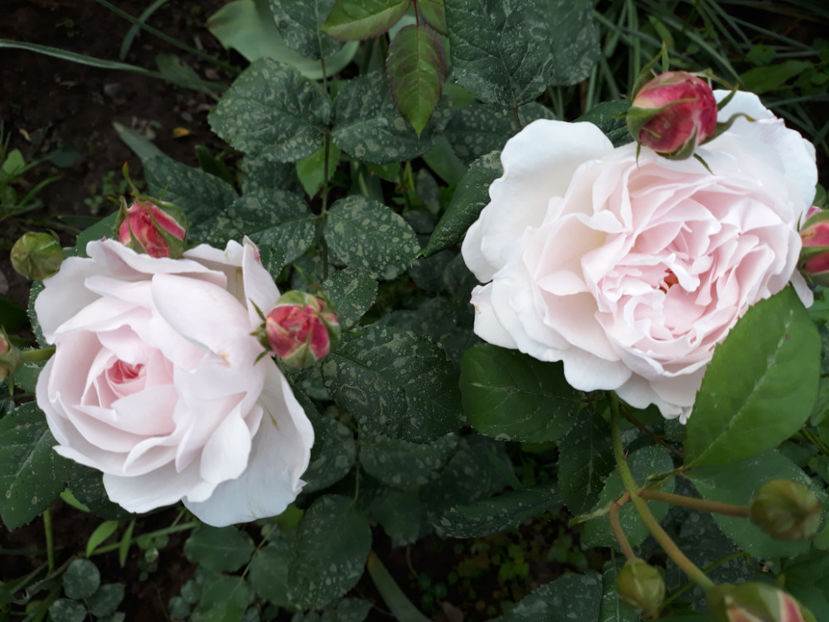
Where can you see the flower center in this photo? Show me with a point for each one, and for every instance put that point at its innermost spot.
(669, 281)
(122, 372)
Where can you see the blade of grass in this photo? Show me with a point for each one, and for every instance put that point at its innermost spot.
(74, 57)
(395, 599)
(165, 37)
(128, 38)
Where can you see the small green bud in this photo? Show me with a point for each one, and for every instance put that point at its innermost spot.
(37, 256)
(786, 510)
(641, 587)
(755, 602)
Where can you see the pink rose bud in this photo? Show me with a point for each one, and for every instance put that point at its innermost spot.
(814, 254)
(755, 602)
(786, 510)
(673, 114)
(300, 329)
(147, 228)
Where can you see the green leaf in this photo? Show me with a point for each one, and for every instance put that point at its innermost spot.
(87, 486)
(224, 599)
(311, 170)
(220, 549)
(478, 129)
(361, 19)
(367, 235)
(760, 385)
(434, 13)
(100, 535)
(400, 512)
(106, 599)
(351, 293)
(764, 79)
(138, 143)
(574, 44)
(416, 69)
(332, 542)
(395, 384)
(174, 70)
(81, 579)
(609, 117)
(368, 127)
(736, 483)
(248, 27)
(403, 464)
(494, 515)
(31, 473)
(272, 111)
(333, 454)
(65, 610)
(642, 462)
(514, 397)
(611, 608)
(585, 461)
(299, 24)
(470, 197)
(570, 597)
(273, 219)
(200, 195)
(269, 571)
(345, 610)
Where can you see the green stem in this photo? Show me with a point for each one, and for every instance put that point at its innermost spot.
(41, 354)
(659, 534)
(708, 568)
(50, 540)
(152, 534)
(616, 526)
(695, 504)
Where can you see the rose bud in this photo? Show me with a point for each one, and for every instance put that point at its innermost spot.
(786, 510)
(641, 587)
(300, 329)
(10, 359)
(814, 254)
(673, 114)
(147, 228)
(37, 256)
(755, 602)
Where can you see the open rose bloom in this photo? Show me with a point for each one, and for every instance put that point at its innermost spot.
(631, 273)
(155, 381)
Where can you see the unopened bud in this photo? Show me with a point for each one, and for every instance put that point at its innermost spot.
(641, 587)
(147, 228)
(755, 602)
(786, 510)
(673, 114)
(37, 256)
(300, 329)
(10, 358)
(814, 254)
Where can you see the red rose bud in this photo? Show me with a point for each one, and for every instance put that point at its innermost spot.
(641, 587)
(147, 228)
(786, 510)
(36, 256)
(814, 254)
(673, 114)
(300, 329)
(755, 602)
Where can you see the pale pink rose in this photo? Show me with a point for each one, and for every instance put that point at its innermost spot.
(154, 381)
(632, 273)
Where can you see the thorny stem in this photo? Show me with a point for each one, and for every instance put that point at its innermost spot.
(695, 504)
(616, 526)
(659, 534)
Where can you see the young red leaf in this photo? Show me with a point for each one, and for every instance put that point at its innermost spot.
(416, 70)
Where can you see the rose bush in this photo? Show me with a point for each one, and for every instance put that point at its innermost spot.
(155, 381)
(631, 273)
